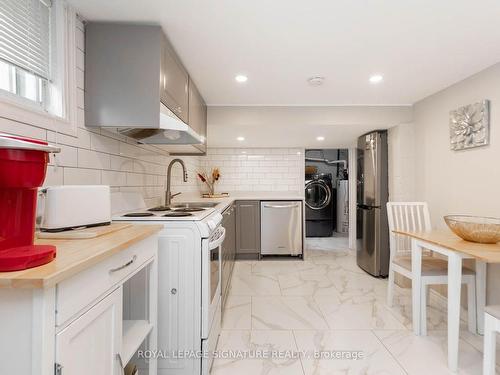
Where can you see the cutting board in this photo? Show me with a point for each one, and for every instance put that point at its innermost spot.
(83, 233)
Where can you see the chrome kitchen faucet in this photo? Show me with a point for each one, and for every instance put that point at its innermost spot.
(168, 194)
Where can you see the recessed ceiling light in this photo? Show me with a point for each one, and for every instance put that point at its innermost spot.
(316, 81)
(240, 78)
(320, 138)
(298, 152)
(376, 78)
(241, 139)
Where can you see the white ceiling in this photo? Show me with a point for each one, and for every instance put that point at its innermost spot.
(299, 126)
(420, 46)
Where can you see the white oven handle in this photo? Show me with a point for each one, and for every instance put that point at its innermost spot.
(219, 240)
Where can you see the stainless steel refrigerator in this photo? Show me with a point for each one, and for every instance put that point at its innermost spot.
(372, 232)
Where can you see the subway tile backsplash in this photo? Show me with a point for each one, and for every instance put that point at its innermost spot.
(257, 169)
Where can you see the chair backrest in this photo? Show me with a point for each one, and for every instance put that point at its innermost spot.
(408, 216)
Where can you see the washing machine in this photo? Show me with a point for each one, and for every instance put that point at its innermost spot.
(320, 198)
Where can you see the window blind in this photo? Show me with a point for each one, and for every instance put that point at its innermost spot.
(25, 35)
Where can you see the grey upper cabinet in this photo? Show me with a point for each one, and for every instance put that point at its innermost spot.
(122, 65)
(197, 111)
(247, 227)
(174, 83)
(131, 74)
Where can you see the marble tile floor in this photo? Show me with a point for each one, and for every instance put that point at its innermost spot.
(324, 315)
(338, 241)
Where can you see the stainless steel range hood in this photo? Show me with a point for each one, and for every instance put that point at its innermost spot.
(131, 90)
(170, 131)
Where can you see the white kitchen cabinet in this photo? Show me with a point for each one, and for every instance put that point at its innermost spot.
(91, 344)
(87, 322)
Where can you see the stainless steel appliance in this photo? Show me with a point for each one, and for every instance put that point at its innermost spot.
(157, 103)
(372, 230)
(320, 203)
(342, 206)
(281, 228)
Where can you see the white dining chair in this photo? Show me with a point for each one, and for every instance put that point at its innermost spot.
(414, 216)
(491, 327)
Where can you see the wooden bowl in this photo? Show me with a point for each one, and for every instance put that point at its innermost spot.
(475, 228)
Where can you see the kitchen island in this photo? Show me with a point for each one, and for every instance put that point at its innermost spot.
(82, 313)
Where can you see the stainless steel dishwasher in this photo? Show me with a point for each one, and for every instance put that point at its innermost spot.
(281, 227)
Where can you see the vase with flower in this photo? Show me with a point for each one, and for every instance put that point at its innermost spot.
(210, 179)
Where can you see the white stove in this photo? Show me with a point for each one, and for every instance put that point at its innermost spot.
(160, 213)
(131, 207)
(189, 279)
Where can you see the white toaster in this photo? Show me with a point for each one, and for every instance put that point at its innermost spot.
(73, 206)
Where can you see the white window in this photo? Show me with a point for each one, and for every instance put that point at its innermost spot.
(25, 63)
(37, 63)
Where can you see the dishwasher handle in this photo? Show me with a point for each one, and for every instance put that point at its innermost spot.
(281, 206)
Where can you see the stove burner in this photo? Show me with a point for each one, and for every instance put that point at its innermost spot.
(160, 208)
(177, 214)
(139, 214)
(189, 209)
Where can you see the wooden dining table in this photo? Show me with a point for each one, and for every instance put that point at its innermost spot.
(446, 243)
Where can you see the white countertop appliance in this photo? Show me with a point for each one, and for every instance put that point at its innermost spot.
(281, 228)
(73, 206)
(189, 304)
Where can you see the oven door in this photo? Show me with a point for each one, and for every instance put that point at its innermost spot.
(211, 290)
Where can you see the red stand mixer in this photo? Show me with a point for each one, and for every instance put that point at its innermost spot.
(23, 165)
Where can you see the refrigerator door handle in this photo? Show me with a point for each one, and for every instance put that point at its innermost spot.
(366, 207)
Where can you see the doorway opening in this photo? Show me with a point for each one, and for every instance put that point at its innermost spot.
(327, 198)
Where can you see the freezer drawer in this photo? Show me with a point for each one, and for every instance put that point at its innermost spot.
(281, 227)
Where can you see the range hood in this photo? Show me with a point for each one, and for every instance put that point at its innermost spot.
(171, 130)
(136, 86)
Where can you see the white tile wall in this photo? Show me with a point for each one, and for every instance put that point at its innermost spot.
(257, 169)
(97, 156)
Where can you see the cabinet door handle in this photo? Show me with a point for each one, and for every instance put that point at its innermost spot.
(130, 262)
(173, 291)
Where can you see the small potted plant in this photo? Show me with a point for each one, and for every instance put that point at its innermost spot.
(210, 179)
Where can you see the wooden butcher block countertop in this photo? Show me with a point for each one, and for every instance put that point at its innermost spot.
(74, 256)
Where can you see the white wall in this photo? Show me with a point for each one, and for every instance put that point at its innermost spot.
(257, 169)
(466, 182)
(96, 156)
(401, 144)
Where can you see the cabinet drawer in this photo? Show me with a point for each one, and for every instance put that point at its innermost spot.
(81, 290)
